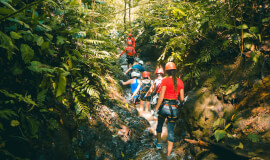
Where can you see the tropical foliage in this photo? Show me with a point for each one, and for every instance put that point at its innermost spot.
(195, 34)
(53, 63)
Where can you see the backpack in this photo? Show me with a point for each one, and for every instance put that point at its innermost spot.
(145, 87)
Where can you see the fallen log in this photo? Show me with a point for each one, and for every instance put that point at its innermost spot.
(223, 153)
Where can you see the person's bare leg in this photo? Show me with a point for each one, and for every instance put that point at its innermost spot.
(170, 147)
(147, 106)
(158, 137)
(141, 105)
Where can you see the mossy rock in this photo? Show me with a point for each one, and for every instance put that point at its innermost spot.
(266, 137)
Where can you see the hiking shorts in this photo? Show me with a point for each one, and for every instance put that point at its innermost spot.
(130, 59)
(146, 98)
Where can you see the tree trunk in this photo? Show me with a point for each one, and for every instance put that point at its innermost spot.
(129, 13)
(125, 13)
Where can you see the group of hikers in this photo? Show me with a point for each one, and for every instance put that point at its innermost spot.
(164, 92)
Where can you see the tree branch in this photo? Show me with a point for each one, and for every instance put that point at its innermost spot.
(21, 9)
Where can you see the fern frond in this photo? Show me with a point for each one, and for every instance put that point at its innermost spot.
(27, 98)
(7, 114)
(41, 97)
(92, 41)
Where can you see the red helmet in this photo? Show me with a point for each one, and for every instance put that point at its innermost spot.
(129, 43)
(170, 66)
(129, 34)
(159, 71)
(145, 74)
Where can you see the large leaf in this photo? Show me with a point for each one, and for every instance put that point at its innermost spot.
(61, 40)
(4, 2)
(243, 26)
(4, 11)
(15, 35)
(40, 41)
(219, 134)
(6, 42)
(36, 66)
(27, 53)
(61, 87)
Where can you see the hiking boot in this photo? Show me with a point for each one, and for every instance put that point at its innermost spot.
(158, 145)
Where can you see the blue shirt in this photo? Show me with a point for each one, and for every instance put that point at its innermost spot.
(139, 67)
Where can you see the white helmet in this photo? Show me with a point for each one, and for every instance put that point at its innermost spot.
(138, 75)
(134, 74)
(140, 62)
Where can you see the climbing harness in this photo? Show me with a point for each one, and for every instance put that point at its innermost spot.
(170, 104)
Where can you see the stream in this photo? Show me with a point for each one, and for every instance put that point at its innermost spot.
(147, 150)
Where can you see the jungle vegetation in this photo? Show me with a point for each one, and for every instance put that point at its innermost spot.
(58, 58)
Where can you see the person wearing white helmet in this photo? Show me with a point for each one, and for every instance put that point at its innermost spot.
(136, 67)
(134, 83)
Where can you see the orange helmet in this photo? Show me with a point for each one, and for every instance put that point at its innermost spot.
(145, 74)
(129, 43)
(159, 71)
(170, 66)
(129, 34)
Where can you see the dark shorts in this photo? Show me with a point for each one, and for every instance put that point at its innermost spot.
(130, 60)
(146, 98)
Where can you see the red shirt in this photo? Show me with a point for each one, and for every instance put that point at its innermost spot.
(169, 93)
(158, 84)
(132, 40)
(129, 50)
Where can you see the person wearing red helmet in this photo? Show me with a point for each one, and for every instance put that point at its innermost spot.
(145, 86)
(171, 87)
(130, 51)
(157, 85)
(131, 40)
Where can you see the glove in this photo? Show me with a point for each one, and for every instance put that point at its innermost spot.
(121, 81)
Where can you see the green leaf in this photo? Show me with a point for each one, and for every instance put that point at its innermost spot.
(60, 40)
(40, 41)
(36, 66)
(247, 35)
(243, 26)
(253, 30)
(227, 126)
(4, 11)
(253, 138)
(240, 146)
(231, 89)
(27, 53)
(219, 122)
(61, 86)
(6, 42)
(41, 97)
(219, 134)
(14, 123)
(7, 5)
(45, 45)
(49, 36)
(15, 35)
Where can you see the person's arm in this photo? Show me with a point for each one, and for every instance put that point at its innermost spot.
(182, 97)
(128, 82)
(137, 89)
(161, 97)
(135, 52)
(122, 53)
(128, 70)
